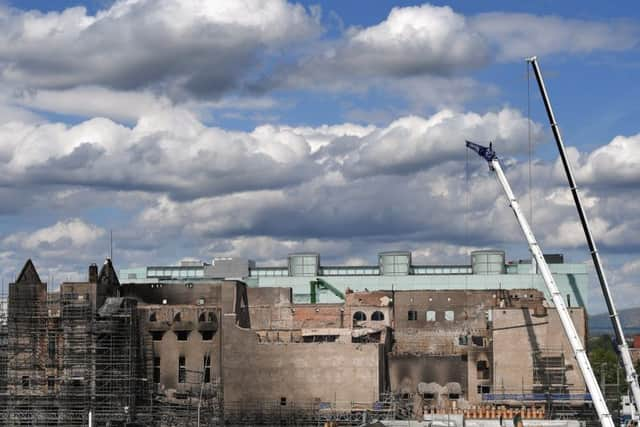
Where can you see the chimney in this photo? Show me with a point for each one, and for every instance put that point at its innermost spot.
(93, 273)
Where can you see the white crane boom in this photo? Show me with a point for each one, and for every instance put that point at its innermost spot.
(623, 348)
(569, 328)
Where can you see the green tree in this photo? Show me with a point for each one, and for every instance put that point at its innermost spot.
(606, 365)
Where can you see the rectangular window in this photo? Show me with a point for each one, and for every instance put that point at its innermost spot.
(207, 368)
(431, 316)
(51, 348)
(156, 370)
(484, 389)
(182, 370)
(283, 401)
(482, 367)
(182, 335)
(25, 382)
(51, 383)
(412, 315)
(477, 340)
(449, 315)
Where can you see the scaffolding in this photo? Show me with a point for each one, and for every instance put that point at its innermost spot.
(120, 389)
(28, 400)
(76, 382)
(63, 362)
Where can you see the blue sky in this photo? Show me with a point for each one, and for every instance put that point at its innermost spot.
(197, 129)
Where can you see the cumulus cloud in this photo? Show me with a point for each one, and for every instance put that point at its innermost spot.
(410, 41)
(137, 52)
(62, 250)
(173, 153)
(73, 232)
(431, 46)
(517, 35)
(614, 164)
(413, 143)
(93, 101)
(189, 48)
(170, 151)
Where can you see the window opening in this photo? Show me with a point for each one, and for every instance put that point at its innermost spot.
(156, 370)
(182, 335)
(412, 315)
(359, 316)
(482, 367)
(377, 315)
(206, 335)
(182, 370)
(207, 368)
(51, 347)
(477, 340)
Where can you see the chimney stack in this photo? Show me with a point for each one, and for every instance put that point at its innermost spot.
(93, 273)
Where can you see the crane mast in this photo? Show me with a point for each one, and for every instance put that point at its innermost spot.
(623, 349)
(565, 318)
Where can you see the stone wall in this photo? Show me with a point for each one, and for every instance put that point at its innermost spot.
(300, 372)
(519, 336)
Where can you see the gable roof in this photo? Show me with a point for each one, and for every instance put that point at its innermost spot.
(28, 274)
(108, 273)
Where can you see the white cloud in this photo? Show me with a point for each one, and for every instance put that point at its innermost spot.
(414, 40)
(201, 54)
(419, 50)
(519, 35)
(94, 101)
(414, 143)
(69, 234)
(168, 151)
(182, 47)
(613, 164)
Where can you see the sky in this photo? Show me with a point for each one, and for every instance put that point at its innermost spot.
(191, 129)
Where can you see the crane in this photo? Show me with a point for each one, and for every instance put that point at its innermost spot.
(623, 348)
(569, 328)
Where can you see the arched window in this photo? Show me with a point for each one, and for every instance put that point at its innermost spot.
(152, 317)
(377, 315)
(202, 317)
(177, 317)
(211, 317)
(359, 316)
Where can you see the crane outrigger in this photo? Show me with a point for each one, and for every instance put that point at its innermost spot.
(565, 318)
(623, 348)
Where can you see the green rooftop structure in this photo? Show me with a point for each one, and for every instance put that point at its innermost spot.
(311, 281)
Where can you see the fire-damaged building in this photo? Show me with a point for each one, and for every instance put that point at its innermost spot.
(217, 352)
